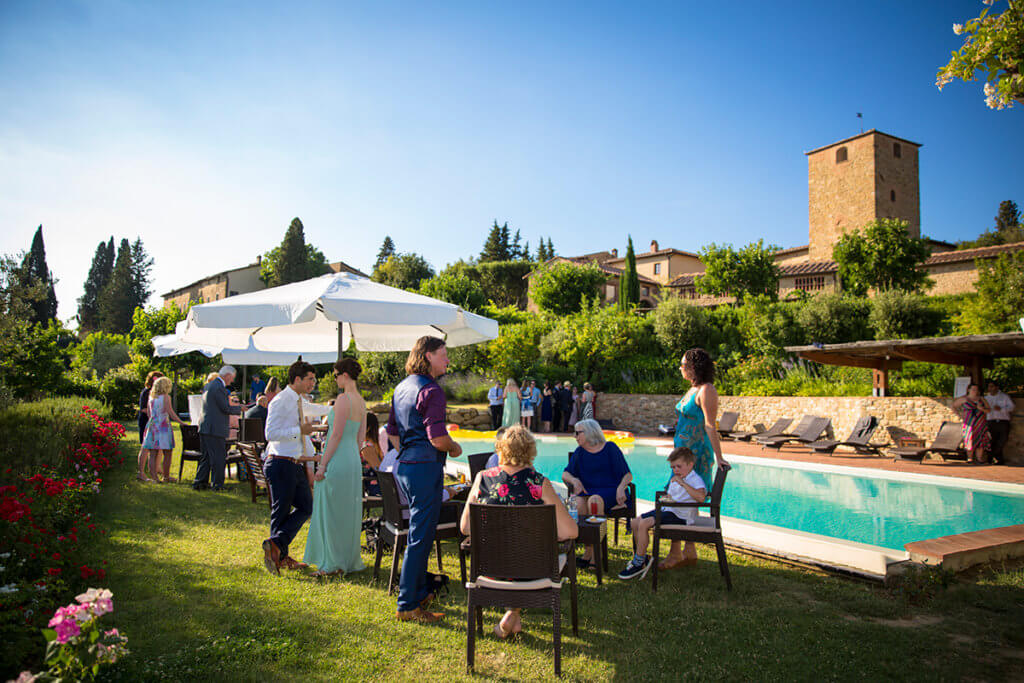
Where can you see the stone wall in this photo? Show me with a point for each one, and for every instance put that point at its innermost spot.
(467, 418)
(642, 413)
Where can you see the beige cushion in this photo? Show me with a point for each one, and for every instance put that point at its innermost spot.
(536, 584)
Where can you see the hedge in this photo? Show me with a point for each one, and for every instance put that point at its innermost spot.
(44, 433)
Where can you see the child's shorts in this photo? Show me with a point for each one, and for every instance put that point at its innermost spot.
(666, 517)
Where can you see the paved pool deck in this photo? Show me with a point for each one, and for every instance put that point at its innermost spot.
(954, 468)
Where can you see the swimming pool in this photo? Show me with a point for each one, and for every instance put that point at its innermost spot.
(878, 508)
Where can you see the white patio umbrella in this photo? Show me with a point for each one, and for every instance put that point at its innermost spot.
(173, 345)
(323, 314)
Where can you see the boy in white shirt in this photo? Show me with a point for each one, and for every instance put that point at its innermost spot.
(685, 486)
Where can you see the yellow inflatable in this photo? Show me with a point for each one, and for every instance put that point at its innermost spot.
(621, 438)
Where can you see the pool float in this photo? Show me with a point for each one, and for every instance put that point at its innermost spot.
(456, 432)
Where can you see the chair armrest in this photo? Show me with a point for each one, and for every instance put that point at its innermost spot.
(674, 504)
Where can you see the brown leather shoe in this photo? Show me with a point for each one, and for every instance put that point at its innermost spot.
(420, 615)
(272, 557)
(425, 602)
(292, 563)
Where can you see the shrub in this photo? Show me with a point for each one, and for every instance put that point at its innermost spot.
(563, 288)
(44, 433)
(834, 319)
(680, 326)
(899, 315)
(517, 349)
(120, 389)
(33, 359)
(455, 286)
(382, 369)
(466, 388)
(99, 353)
(766, 326)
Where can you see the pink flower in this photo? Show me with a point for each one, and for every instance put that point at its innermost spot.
(536, 491)
(502, 490)
(66, 628)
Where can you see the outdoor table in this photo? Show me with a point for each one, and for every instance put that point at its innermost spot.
(597, 536)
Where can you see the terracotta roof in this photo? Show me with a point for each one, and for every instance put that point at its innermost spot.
(791, 250)
(809, 268)
(971, 254)
(582, 261)
(612, 270)
(684, 280)
(660, 252)
(860, 135)
(179, 290)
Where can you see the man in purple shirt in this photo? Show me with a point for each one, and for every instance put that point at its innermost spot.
(416, 427)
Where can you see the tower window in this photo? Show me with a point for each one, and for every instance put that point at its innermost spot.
(657, 268)
(841, 155)
(897, 151)
(892, 195)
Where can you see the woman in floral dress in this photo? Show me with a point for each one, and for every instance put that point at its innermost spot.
(973, 409)
(159, 438)
(515, 482)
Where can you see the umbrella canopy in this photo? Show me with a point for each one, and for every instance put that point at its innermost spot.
(173, 345)
(323, 314)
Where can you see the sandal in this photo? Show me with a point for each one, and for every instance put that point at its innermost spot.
(142, 478)
(675, 563)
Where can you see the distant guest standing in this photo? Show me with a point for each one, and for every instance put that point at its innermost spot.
(213, 430)
(416, 427)
(143, 420)
(257, 387)
(496, 398)
(159, 438)
(998, 420)
(565, 406)
(697, 429)
(973, 410)
(510, 413)
(291, 501)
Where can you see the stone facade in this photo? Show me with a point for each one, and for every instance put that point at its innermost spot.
(858, 180)
(921, 417)
(953, 278)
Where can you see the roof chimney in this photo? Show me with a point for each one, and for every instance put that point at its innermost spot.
(654, 245)
(259, 259)
(615, 253)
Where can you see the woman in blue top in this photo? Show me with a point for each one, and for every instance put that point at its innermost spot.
(597, 474)
(697, 429)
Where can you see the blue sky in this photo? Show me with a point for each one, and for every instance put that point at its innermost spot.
(205, 127)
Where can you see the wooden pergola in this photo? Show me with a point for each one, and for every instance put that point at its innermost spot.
(974, 353)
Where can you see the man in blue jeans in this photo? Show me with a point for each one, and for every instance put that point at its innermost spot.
(288, 449)
(416, 427)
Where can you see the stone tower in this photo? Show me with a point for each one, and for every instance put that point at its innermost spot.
(857, 180)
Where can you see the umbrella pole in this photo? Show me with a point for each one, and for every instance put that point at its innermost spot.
(341, 339)
(245, 383)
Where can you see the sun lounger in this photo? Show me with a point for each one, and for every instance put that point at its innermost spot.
(727, 422)
(947, 444)
(808, 431)
(858, 440)
(775, 430)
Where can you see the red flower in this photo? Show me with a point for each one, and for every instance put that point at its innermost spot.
(53, 571)
(101, 574)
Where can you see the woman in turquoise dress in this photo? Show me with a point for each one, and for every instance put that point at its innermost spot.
(510, 416)
(697, 429)
(334, 528)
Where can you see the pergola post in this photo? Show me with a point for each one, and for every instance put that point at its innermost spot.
(974, 369)
(880, 381)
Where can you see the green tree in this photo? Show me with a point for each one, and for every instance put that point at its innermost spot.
(117, 301)
(99, 353)
(497, 247)
(900, 315)
(34, 268)
(881, 256)
(766, 327)
(293, 260)
(994, 46)
(141, 266)
(153, 322)
(596, 338)
(629, 283)
(1006, 231)
(387, 249)
(834, 318)
(517, 349)
(680, 326)
(99, 275)
(404, 271)
(1000, 300)
(455, 286)
(563, 288)
(747, 272)
(503, 282)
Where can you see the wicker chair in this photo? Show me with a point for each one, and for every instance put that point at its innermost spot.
(250, 429)
(477, 462)
(254, 470)
(191, 448)
(515, 562)
(395, 530)
(705, 530)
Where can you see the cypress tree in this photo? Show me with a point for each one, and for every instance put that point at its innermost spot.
(387, 250)
(99, 275)
(524, 255)
(294, 255)
(504, 246)
(34, 269)
(492, 250)
(141, 265)
(629, 283)
(117, 300)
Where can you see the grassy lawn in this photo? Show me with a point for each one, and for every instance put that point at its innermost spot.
(192, 595)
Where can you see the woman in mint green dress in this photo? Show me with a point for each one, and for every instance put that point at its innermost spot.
(510, 415)
(334, 528)
(697, 429)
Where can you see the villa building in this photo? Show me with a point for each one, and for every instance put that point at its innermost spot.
(851, 182)
(231, 283)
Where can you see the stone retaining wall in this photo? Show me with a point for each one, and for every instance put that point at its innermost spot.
(467, 418)
(642, 413)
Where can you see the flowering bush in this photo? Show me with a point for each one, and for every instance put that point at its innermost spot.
(995, 46)
(77, 646)
(44, 525)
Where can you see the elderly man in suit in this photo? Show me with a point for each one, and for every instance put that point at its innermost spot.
(213, 430)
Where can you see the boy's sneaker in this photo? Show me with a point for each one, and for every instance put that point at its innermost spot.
(637, 567)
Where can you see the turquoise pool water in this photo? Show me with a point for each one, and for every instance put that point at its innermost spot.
(864, 509)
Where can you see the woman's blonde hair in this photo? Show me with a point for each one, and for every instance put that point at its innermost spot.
(417, 362)
(516, 447)
(212, 376)
(161, 386)
(591, 432)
